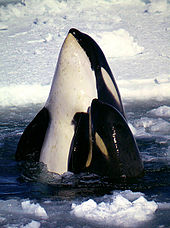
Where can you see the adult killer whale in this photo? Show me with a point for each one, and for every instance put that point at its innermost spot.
(82, 127)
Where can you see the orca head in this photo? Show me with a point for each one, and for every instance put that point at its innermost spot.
(82, 58)
(114, 150)
(106, 86)
(93, 51)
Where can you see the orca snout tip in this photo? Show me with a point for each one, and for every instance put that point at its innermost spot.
(74, 31)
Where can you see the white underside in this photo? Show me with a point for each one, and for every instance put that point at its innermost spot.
(73, 88)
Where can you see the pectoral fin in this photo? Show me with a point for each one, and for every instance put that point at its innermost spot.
(31, 141)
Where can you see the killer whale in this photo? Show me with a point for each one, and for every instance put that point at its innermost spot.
(82, 126)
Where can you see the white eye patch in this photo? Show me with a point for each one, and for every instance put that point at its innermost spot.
(110, 85)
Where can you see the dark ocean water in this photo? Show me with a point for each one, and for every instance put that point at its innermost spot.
(29, 182)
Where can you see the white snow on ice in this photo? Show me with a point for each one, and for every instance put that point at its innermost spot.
(32, 224)
(118, 43)
(145, 89)
(34, 208)
(21, 94)
(162, 111)
(121, 208)
(145, 127)
(18, 209)
(121, 211)
(154, 124)
(133, 35)
(157, 6)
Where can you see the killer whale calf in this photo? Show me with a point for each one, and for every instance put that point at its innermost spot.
(82, 126)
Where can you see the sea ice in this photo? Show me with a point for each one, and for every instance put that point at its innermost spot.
(118, 43)
(151, 125)
(39, 37)
(128, 194)
(157, 6)
(163, 111)
(33, 224)
(34, 208)
(23, 94)
(145, 88)
(121, 211)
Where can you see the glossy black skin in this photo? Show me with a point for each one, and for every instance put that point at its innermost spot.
(80, 144)
(123, 154)
(123, 160)
(31, 141)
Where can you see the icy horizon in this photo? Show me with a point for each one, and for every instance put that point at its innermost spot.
(134, 37)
